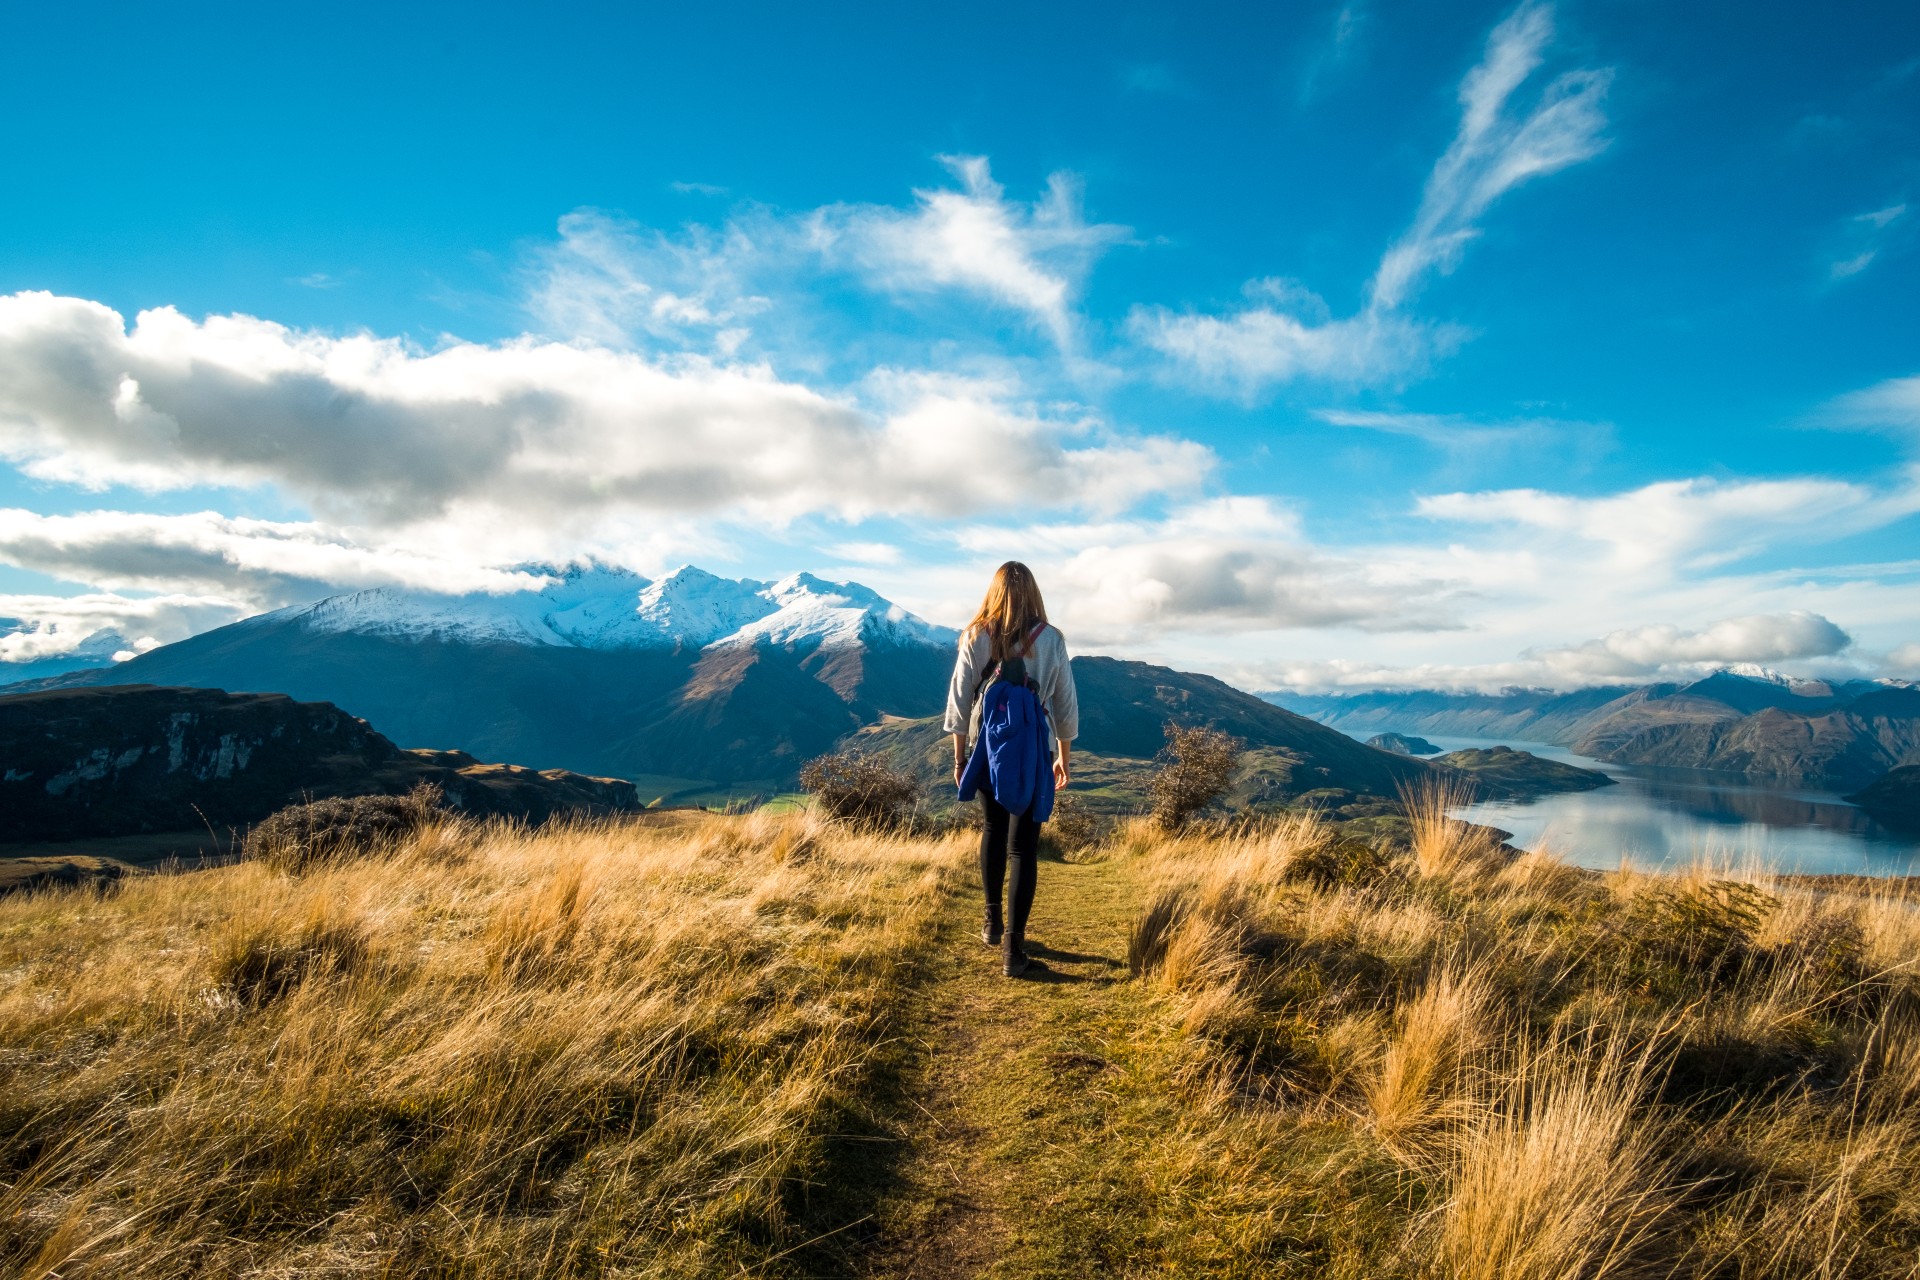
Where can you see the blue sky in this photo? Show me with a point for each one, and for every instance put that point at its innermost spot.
(1320, 344)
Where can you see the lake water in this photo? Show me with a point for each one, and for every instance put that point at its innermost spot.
(1665, 818)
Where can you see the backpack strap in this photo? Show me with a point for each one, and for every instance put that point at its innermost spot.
(993, 669)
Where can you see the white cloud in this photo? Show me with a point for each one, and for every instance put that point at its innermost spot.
(1220, 566)
(1661, 528)
(1893, 403)
(1266, 344)
(864, 553)
(1649, 650)
(606, 280)
(260, 562)
(1495, 149)
(37, 627)
(1630, 655)
(1030, 258)
(1332, 54)
(1864, 238)
(1497, 146)
(525, 434)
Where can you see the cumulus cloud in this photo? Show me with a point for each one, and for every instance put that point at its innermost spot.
(1760, 638)
(1630, 655)
(259, 562)
(1031, 258)
(1499, 144)
(1224, 565)
(34, 628)
(370, 430)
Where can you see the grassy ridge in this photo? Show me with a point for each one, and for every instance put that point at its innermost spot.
(683, 1046)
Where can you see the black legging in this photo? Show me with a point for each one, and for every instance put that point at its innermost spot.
(993, 862)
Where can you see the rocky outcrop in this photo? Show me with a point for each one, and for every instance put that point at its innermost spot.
(118, 760)
(1895, 798)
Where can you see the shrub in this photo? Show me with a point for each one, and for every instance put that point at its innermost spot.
(1196, 766)
(301, 835)
(1074, 827)
(856, 787)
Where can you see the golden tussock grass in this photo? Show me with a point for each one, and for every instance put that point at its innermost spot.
(667, 1046)
(1523, 1070)
(602, 1048)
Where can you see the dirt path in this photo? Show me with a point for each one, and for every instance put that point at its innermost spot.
(1009, 1072)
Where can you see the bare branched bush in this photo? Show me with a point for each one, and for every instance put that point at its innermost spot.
(1074, 827)
(860, 788)
(1196, 767)
(301, 836)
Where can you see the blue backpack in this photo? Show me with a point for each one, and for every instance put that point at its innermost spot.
(1010, 752)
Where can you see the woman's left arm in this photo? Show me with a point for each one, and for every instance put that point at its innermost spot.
(1063, 706)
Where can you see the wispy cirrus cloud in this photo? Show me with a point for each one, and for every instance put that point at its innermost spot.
(1501, 142)
(1497, 147)
(1865, 238)
(1030, 258)
(1673, 525)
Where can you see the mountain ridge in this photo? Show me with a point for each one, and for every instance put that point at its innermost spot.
(1740, 719)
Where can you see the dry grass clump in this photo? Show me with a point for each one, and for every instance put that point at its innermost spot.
(628, 1047)
(861, 788)
(1551, 1073)
(1444, 846)
(303, 835)
(1196, 767)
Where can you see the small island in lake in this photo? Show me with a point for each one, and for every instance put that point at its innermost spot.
(1402, 744)
(1501, 773)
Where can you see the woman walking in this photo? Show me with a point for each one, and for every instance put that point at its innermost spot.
(1011, 654)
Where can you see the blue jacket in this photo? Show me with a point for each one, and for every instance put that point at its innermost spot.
(1010, 753)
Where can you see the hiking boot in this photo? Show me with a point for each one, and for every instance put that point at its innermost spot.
(1016, 957)
(990, 933)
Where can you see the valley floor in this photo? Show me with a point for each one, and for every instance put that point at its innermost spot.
(765, 1046)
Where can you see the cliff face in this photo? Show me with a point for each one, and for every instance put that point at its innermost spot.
(120, 760)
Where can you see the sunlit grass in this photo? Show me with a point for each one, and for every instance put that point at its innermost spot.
(621, 1047)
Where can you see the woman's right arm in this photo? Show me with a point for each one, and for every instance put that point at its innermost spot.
(960, 694)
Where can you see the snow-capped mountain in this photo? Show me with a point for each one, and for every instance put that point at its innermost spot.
(1798, 685)
(613, 609)
(599, 670)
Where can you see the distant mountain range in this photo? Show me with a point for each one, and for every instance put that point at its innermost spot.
(688, 677)
(692, 680)
(1743, 720)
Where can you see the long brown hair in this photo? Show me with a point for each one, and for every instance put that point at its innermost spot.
(1011, 608)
